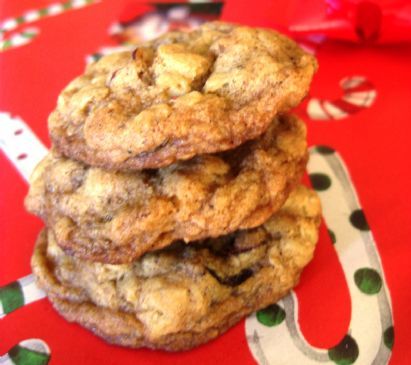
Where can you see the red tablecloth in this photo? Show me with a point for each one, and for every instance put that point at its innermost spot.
(366, 119)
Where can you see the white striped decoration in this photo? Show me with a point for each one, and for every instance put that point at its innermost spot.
(25, 36)
(358, 94)
(19, 39)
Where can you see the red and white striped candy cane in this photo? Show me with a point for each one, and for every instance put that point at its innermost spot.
(358, 94)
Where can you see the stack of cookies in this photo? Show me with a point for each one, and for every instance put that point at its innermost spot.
(171, 195)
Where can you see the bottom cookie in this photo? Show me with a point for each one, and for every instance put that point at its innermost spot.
(184, 295)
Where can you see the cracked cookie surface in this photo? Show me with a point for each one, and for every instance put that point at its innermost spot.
(180, 95)
(115, 217)
(184, 295)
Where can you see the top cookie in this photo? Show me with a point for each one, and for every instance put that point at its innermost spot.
(180, 95)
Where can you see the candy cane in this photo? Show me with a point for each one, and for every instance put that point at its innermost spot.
(27, 352)
(30, 16)
(19, 39)
(18, 294)
(358, 94)
(274, 335)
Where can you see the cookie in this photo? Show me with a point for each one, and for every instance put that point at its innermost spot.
(115, 217)
(181, 95)
(184, 295)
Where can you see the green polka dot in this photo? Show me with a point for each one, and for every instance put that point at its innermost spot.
(320, 182)
(324, 150)
(368, 281)
(358, 220)
(332, 236)
(24, 356)
(11, 297)
(389, 337)
(271, 316)
(345, 353)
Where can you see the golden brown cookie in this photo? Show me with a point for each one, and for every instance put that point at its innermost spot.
(115, 217)
(184, 295)
(181, 95)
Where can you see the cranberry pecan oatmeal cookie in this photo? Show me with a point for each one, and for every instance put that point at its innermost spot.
(184, 295)
(115, 217)
(180, 95)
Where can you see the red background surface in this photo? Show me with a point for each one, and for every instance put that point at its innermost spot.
(375, 144)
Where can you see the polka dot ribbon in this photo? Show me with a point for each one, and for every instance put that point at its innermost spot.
(18, 142)
(274, 335)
